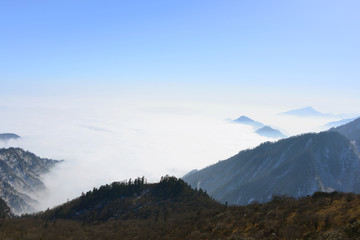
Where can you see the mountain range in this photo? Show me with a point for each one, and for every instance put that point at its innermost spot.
(20, 177)
(259, 128)
(296, 166)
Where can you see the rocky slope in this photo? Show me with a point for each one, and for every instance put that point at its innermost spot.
(20, 173)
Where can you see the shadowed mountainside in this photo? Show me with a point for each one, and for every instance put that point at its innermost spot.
(296, 166)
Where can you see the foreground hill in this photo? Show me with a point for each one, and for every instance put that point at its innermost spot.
(296, 166)
(134, 200)
(20, 176)
(172, 210)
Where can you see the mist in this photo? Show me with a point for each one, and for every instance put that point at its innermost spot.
(109, 139)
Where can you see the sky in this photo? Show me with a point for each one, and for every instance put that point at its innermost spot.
(294, 49)
(122, 89)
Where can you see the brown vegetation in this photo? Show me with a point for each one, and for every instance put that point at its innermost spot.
(171, 210)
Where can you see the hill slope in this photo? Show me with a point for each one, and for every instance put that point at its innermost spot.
(322, 216)
(20, 176)
(296, 166)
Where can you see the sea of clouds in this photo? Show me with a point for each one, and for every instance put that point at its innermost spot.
(102, 140)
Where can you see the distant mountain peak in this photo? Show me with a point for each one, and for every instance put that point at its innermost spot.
(244, 118)
(305, 112)
(312, 112)
(268, 131)
(248, 121)
(8, 136)
(260, 128)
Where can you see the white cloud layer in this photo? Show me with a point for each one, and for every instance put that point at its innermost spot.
(105, 140)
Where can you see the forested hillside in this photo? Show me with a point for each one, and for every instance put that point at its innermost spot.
(172, 210)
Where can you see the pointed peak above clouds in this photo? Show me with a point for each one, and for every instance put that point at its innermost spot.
(248, 121)
(270, 132)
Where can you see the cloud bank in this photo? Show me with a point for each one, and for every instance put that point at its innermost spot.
(104, 140)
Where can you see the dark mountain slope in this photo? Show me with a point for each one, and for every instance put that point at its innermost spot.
(20, 173)
(134, 200)
(296, 166)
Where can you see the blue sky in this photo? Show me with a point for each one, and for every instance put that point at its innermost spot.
(306, 49)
